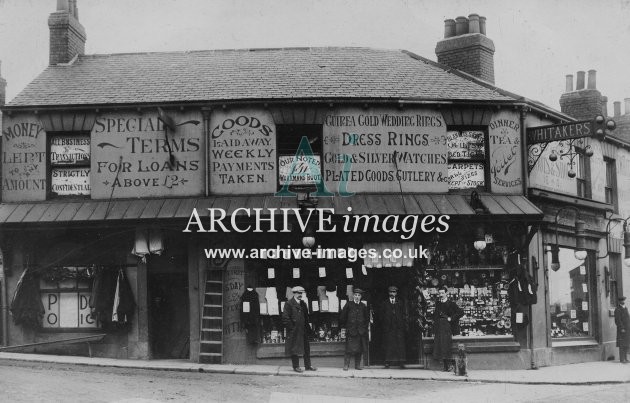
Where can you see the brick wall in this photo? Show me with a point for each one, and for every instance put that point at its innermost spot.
(471, 53)
(67, 37)
(582, 104)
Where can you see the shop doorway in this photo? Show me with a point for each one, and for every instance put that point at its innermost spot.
(169, 326)
(381, 279)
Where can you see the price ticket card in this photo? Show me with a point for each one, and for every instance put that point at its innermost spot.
(583, 270)
(553, 324)
(315, 306)
(271, 273)
(245, 306)
(573, 314)
(324, 305)
(584, 287)
(296, 272)
(585, 326)
(584, 306)
(349, 272)
(322, 272)
(519, 317)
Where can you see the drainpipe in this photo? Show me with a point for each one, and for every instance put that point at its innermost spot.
(525, 180)
(4, 302)
(524, 152)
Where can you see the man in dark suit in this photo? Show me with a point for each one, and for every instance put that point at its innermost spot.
(295, 320)
(355, 318)
(622, 320)
(393, 322)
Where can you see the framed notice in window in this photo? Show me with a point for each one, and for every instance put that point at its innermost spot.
(69, 158)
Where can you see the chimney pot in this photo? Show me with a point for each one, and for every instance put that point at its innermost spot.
(604, 100)
(461, 26)
(473, 23)
(63, 5)
(617, 108)
(580, 81)
(627, 101)
(482, 25)
(449, 28)
(592, 80)
(569, 83)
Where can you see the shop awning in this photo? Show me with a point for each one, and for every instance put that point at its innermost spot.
(151, 209)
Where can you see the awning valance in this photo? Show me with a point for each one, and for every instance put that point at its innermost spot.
(173, 208)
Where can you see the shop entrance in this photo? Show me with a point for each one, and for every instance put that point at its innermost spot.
(381, 279)
(169, 326)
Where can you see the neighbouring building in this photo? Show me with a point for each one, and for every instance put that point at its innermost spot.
(124, 174)
(583, 191)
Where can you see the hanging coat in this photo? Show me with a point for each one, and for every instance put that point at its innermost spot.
(622, 320)
(295, 320)
(124, 303)
(393, 322)
(355, 318)
(102, 297)
(251, 320)
(27, 308)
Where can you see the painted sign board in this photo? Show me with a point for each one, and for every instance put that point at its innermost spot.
(23, 158)
(558, 132)
(504, 149)
(131, 155)
(385, 150)
(242, 152)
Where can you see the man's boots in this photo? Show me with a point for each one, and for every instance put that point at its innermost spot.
(446, 365)
(357, 361)
(346, 362)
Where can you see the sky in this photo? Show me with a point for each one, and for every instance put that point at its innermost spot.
(538, 42)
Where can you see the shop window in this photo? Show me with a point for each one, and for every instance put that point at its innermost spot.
(299, 154)
(65, 294)
(583, 174)
(467, 151)
(69, 160)
(571, 297)
(326, 294)
(610, 188)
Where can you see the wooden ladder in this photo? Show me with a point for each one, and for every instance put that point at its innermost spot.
(211, 339)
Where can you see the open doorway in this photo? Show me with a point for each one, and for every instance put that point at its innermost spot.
(169, 326)
(381, 279)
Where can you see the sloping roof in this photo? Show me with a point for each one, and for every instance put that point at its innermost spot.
(251, 74)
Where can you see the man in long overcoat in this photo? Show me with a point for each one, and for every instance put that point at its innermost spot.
(622, 320)
(295, 320)
(355, 318)
(393, 322)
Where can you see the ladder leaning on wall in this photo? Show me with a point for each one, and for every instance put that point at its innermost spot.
(211, 338)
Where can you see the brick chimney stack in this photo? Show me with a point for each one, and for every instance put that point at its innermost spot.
(67, 35)
(586, 101)
(466, 47)
(3, 88)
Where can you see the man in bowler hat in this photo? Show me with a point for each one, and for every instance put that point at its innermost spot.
(355, 318)
(622, 320)
(295, 320)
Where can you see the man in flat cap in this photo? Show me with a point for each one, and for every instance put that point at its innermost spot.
(295, 320)
(355, 318)
(622, 320)
(393, 322)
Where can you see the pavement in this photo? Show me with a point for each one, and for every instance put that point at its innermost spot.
(588, 373)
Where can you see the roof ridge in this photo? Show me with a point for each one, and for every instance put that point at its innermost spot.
(239, 50)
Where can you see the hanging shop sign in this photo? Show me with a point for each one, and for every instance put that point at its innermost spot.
(242, 156)
(23, 158)
(505, 153)
(385, 150)
(136, 155)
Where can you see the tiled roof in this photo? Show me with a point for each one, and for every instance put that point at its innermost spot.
(230, 75)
